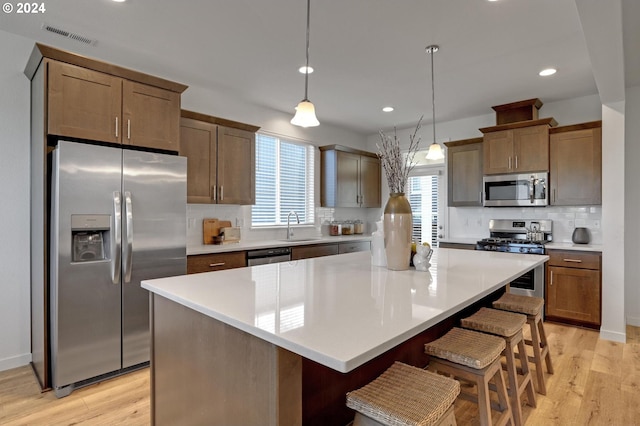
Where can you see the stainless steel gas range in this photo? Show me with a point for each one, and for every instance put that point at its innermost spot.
(520, 236)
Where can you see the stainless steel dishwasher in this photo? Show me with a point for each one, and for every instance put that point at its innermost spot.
(271, 255)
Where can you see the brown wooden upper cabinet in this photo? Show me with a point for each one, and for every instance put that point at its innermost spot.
(517, 147)
(464, 172)
(88, 104)
(349, 177)
(220, 159)
(575, 172)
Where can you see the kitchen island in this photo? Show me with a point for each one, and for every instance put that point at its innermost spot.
(280, 344)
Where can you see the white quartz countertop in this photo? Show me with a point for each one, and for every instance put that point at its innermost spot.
(261, 244)
(341, 311)
(572, 246)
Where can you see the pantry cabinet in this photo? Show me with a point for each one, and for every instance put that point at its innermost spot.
(349, 177)
(575, 172)
(573, 291)
(520, 147)
(88, 104)
(464, 172)
(220, 159)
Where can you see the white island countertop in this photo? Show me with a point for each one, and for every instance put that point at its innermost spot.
(341, 311)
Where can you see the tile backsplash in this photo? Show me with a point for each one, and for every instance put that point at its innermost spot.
(471, 222)
(240, 216)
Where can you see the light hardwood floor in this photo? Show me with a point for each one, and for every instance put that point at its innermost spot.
(596, 382)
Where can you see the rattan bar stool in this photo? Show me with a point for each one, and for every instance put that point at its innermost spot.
(532, 308)
(404, 396)
(474, 357)
(508, 325)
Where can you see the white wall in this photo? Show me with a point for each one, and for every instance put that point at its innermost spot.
(632, 206)
(613, 222)
(15, 343)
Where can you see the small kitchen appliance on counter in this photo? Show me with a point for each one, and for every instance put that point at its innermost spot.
(520, 236)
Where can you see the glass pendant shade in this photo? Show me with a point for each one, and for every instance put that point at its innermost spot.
(305, 115)
(435, 152)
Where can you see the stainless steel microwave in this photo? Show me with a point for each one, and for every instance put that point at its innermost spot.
(519, 190)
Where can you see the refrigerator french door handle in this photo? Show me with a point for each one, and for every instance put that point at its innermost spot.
(128, 247)
(116, 238)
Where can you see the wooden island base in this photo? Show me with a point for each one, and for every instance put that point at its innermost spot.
(216, 374)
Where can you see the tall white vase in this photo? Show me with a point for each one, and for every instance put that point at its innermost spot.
(398, 222)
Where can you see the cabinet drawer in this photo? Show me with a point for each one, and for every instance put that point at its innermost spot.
(216, 262)
(574, 259)
(306, 252)
(353, 247)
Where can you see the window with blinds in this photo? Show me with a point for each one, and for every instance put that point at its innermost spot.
(284, 181)
(423, 197)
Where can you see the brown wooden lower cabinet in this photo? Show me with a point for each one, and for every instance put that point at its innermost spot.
(315, 250)
(574, 291)
(216, 262)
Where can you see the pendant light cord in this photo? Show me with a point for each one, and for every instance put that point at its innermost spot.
(432, 49)
(306, 74)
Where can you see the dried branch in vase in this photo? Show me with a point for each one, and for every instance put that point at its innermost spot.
(396, 167)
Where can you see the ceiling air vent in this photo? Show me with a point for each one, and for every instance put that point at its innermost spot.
(68, 34)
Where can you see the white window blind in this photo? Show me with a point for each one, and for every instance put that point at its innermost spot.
(284, 181)
(423, 197)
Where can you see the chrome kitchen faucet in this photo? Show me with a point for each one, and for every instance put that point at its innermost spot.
(289, 230)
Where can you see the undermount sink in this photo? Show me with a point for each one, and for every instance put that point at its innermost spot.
(295, 240)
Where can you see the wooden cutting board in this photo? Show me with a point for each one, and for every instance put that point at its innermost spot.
(210, 228)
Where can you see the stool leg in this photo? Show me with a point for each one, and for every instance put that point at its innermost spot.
(503, 397)
(537, 355)
(512, 374)
(484, 401)
(526, 372)
(545, 345)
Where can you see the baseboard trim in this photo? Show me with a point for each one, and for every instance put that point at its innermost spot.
(634, 321)
(16, 361)
(614, 336)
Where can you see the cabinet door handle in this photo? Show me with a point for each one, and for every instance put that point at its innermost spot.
(128, 129)
(551, 279)
(572, 260)
(480, 197)
(516, 161)
(116, 127)
(509, 163)
(213, 265)
(214, 192)
(221, 192)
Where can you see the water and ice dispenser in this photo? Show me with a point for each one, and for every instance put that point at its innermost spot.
(90, 237)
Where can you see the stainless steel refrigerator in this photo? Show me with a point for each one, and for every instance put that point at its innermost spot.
(118, 216)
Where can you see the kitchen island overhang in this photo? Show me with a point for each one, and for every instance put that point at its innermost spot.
(337, 311)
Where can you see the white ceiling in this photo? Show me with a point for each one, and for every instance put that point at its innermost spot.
(367, 53)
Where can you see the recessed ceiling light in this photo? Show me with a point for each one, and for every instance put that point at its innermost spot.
(387, 109)
(119, 1)
(547, 72)
(305, 70)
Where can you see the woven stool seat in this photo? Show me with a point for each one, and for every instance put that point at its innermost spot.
(523, 304)
(474, 357)
(405, 395)
(494, 321)
(466, 347)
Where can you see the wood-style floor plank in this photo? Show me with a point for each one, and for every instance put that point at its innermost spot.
(595, 383)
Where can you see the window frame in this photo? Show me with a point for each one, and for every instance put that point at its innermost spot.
(310, 190)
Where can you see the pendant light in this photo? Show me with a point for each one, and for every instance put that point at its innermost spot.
(305, 111)
(435, 150)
